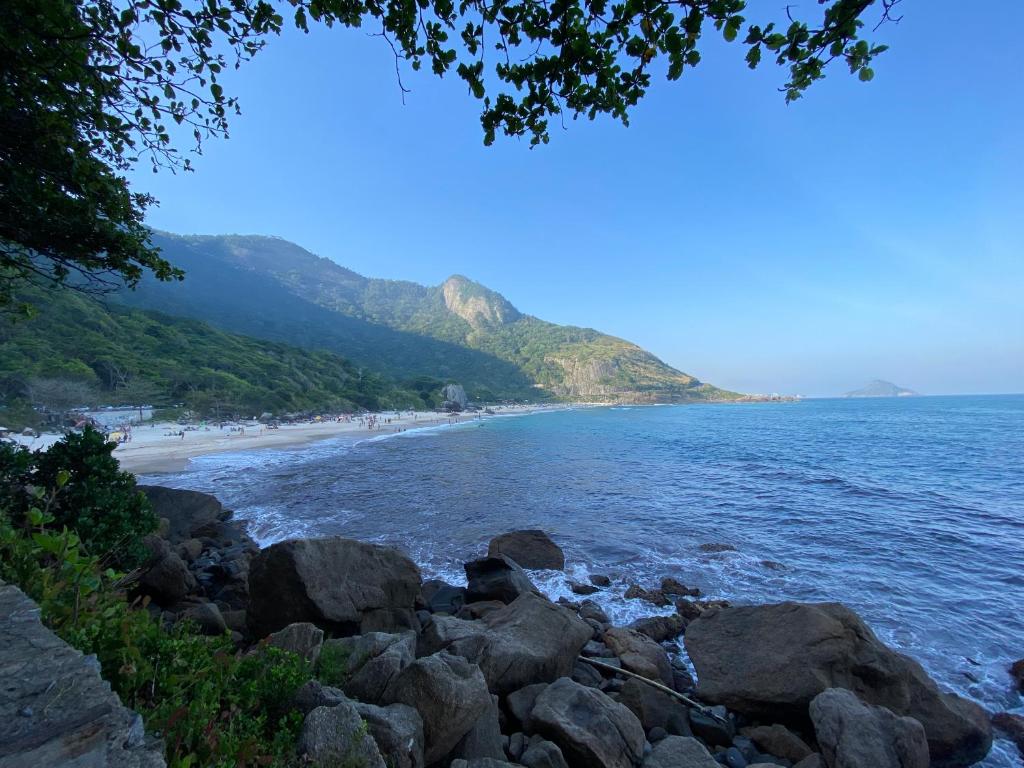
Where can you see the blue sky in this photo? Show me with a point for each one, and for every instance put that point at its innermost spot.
(867, 231)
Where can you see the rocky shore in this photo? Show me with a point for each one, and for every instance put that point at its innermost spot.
(414, 673)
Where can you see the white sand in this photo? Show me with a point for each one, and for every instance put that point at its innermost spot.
(158, 447)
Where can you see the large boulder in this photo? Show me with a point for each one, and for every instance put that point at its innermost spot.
(778, 740)
(484, 738)
(398, 731)
(654, 708)
(639, 654)
(302, 638)
(660, 628)
(346, 587)
(531, 549)
(449, 693)
(531, 640)
(336, 736)
(591, 729)
(364, 666)
(496, 577)
(853, 734)
(680, 752)
(187, 512)
(541, 753)
(770, 661)
(165, 576)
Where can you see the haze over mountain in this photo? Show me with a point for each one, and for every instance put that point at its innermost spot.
(880, 388)
(460, 330)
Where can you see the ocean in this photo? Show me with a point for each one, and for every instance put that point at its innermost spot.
(909, 510)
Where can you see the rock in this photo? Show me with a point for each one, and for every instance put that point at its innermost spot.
(336, 736)
(682, 681)
(813, 761)
(480, 762)
(530, 549)
(679, 752)
(1017, 673)
(591, 610)
(343, 586)
(639, 654)
(315, 694)
(691, 609)
(496, 577)
(733, 758)
(717, 731)
(517, 744)
(778, 740)
(595, 649)
(1012, 726)
(190, 549)
(55, 709)
(541, 753)
(484, 738)
(530, 640)
(235, 620)
(717, 548)
(585, 674)
(365, 666)
(302, 638)
(206, 617)
(853, 734)
(185, 511)
(660, 628)
(582, 589)
(803, 649)
(652, 596)
(454, 395)
(398, 731)
(520, 704)
(475, 611)
(166, 577)
(592, 730)
(443, 598)
(448, 692)
(671, 586)
(655, 709)
(600, 580)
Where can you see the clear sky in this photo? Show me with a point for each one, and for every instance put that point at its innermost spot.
(867, 231)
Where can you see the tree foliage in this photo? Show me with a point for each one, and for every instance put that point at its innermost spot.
(88, 88)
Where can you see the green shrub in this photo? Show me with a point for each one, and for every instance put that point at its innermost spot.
(332, 668)
(97, 500)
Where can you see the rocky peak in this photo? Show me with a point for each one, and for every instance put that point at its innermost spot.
(477, 305)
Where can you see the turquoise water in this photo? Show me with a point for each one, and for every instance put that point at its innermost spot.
(909, 510)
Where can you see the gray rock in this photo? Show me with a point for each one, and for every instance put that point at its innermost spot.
(302, 638)
(55, 709)
(529, 548)
(585, 674)
(672, 586)
(398, 731)
(456, 395)
(520, 704)
(592, 730)
(364, 666)
(166, 577)
(778, 740)
(315, 694)
(531, 640)
(853, 734)
(496, 577)
(811, 761)
(716, 731)
(803, 649)
(591, 610)
(639, 654)
(478, 610)
(600, 580)
(480, 762)
(336, 736)
(441, 597)
(655, 709)
(343, 586)
(448, 692)
(517, 745)
(582, 589)
(185, 511)
(679, 752)
(660, 628)
(190, 549)
(542, 753)
(206, 617)
(484, 738)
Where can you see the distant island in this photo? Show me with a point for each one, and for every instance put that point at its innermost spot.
(880, 388)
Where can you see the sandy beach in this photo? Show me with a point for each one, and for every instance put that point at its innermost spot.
(159, 447)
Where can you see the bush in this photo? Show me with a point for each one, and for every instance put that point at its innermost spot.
(213, 706)
(97, 500)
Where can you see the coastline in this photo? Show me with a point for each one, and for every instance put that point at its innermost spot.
(158, 448)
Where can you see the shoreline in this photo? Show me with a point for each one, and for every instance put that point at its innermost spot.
(158, 448)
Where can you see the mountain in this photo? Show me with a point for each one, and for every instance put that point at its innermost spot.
(880, 388)
(460, 330)
(78, 351)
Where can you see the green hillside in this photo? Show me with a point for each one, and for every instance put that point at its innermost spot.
(271, 288)
(76, 348)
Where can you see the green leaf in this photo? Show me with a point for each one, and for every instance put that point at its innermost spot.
(866, 74)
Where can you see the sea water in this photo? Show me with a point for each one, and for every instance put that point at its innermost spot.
(909, 510)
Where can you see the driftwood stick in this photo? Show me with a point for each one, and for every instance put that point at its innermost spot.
(663, 688)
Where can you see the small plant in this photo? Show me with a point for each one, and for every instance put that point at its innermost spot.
(334, 666)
